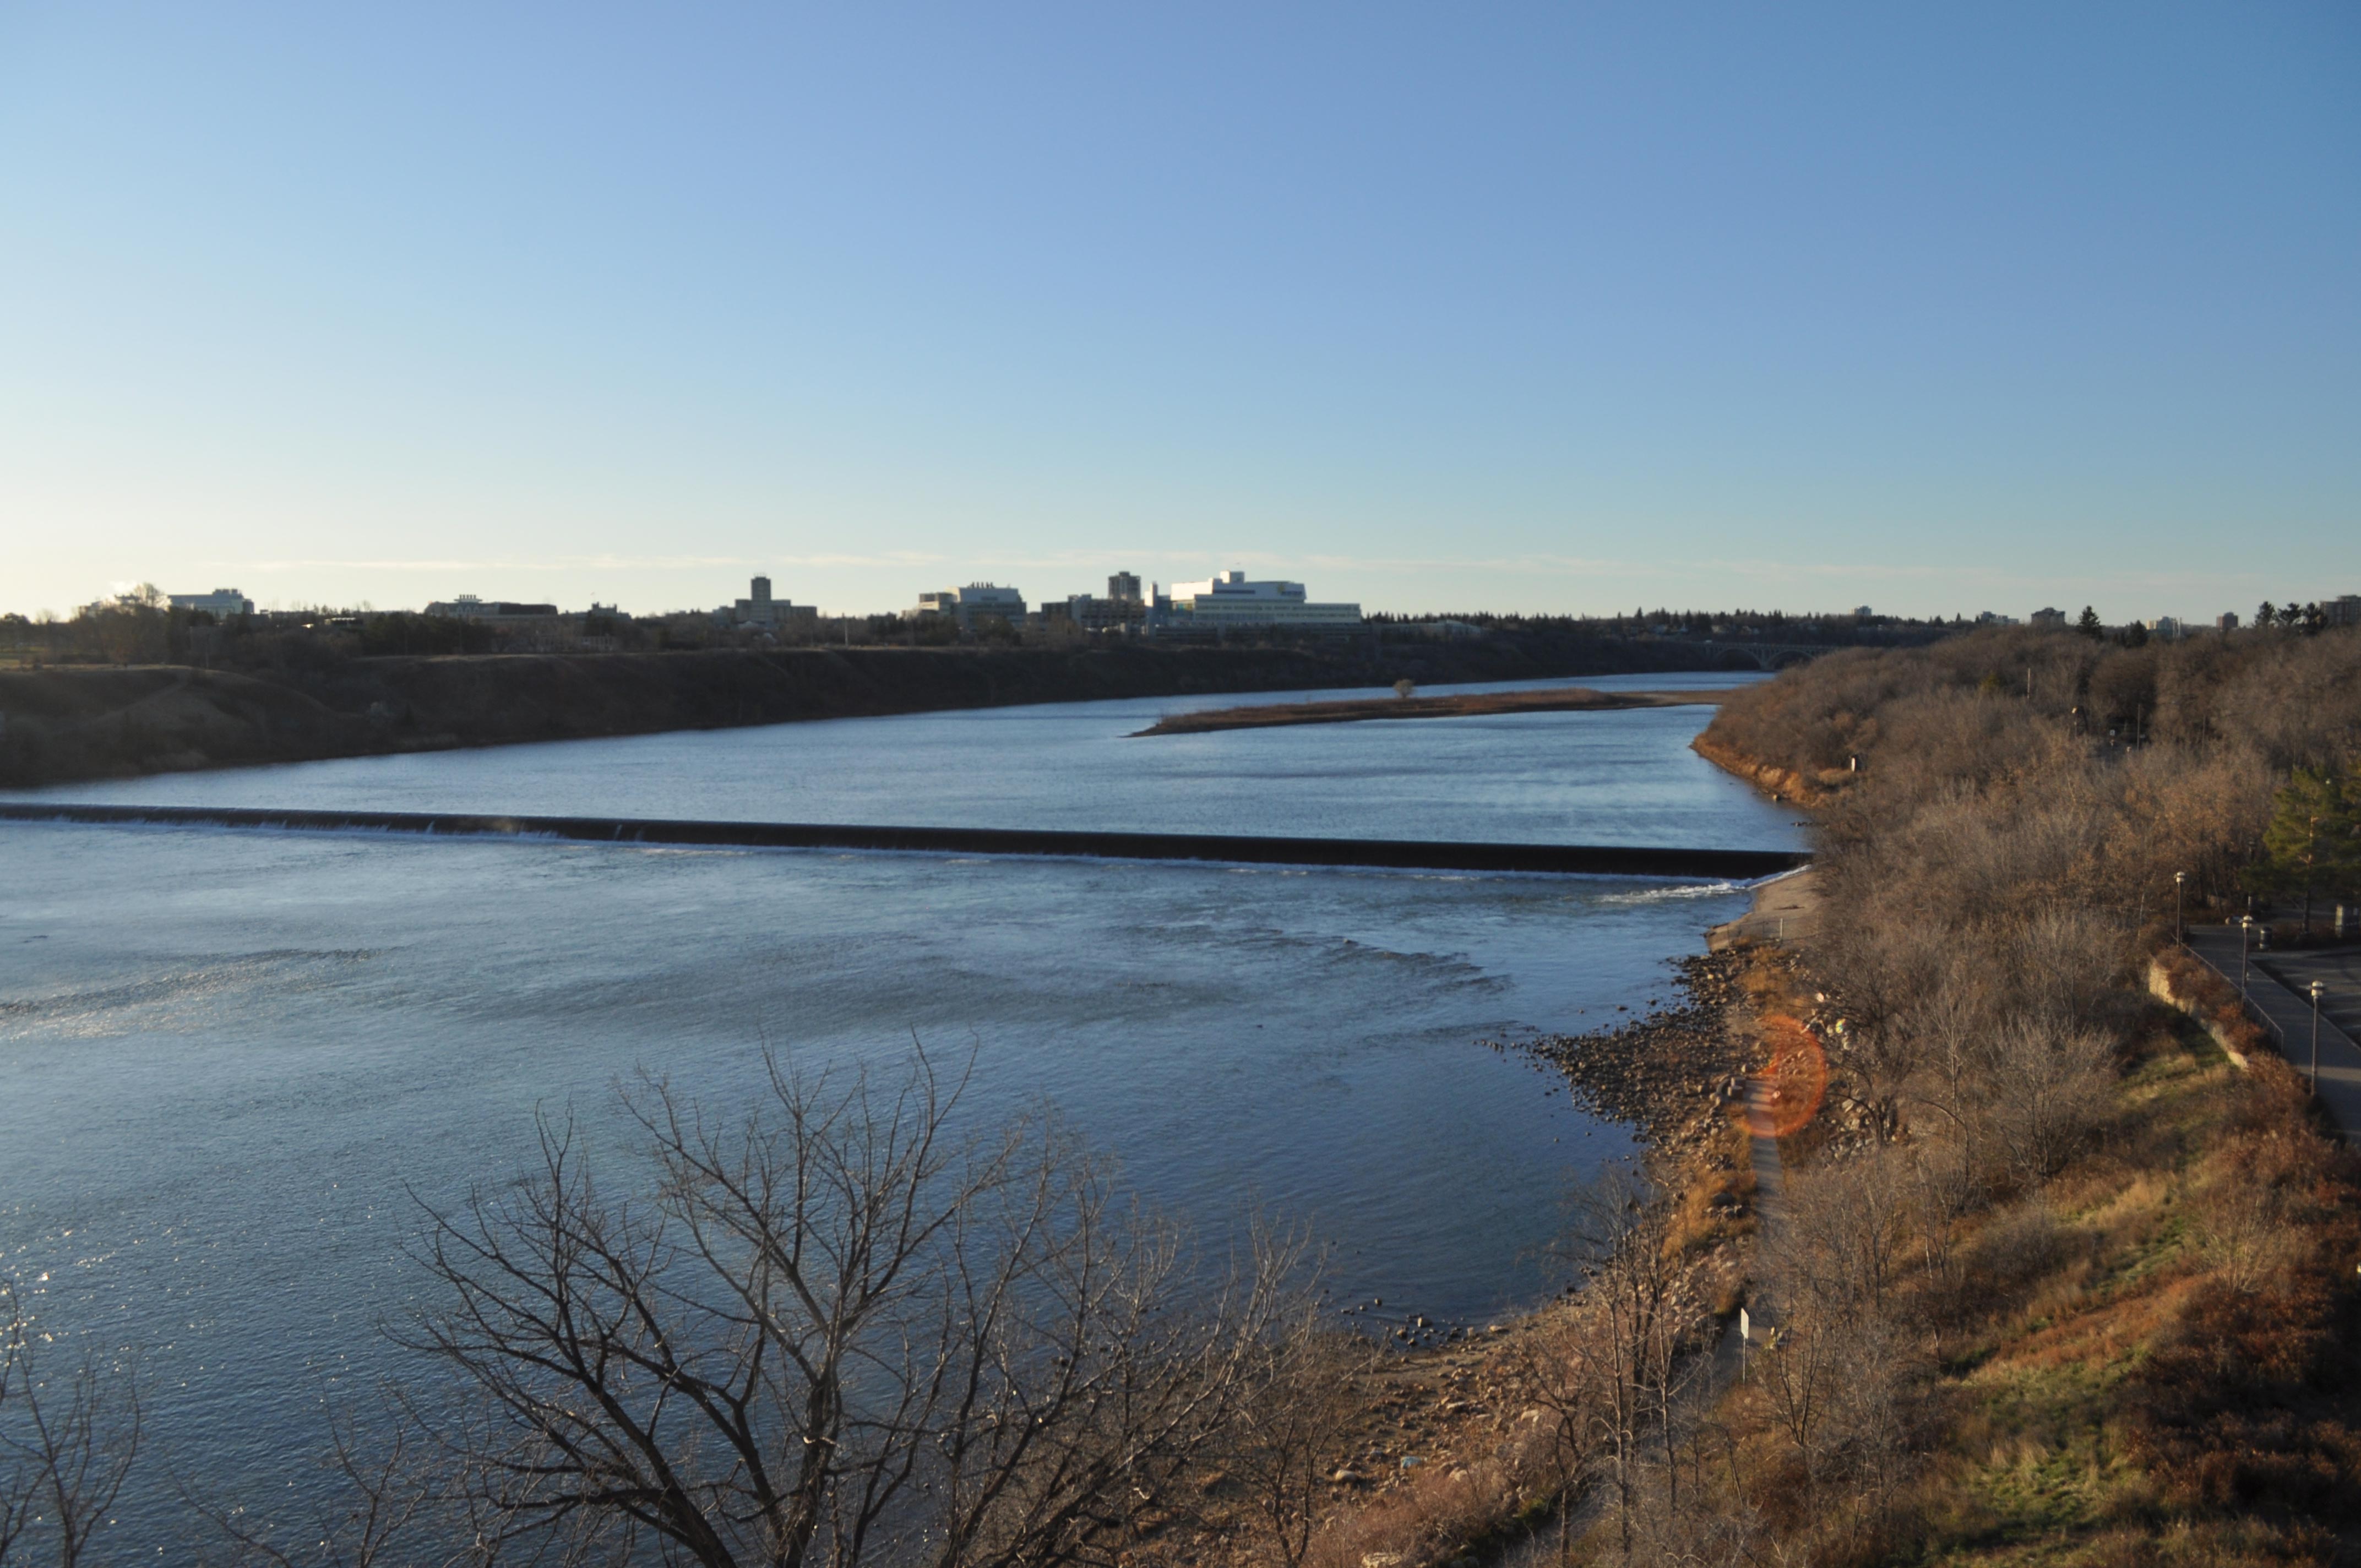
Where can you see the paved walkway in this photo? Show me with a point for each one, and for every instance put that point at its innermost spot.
(2339, 969)
(2288, 1012)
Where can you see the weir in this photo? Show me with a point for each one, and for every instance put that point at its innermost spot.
(1395, 854)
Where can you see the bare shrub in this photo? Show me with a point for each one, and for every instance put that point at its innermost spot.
(2065, 966)
(1292, 1429)
(67, 1440)
(1840, 1240)
(1840, 1376)
(2239, 1226)
(2017, 1246)
(2050, 1088)
(381, 1497)
(1842, 1389)
(1610, 1373)
(1890, 969)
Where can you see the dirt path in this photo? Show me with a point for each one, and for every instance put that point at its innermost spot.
(1786, 909)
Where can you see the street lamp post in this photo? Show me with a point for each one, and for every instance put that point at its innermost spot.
(2246, 929)
(2180, 886)
(2315, 1037)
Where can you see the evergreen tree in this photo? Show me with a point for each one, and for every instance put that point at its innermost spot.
(2313, 842)
(2089, 624)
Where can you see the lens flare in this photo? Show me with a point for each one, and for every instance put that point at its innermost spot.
(1795, 1081)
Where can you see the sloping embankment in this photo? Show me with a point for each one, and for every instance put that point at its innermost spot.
(62, 724)
(1778, 783)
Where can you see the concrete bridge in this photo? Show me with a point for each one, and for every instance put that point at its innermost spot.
(1762, 655)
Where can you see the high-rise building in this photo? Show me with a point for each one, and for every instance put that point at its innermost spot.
(1124, 588)
(759, 609)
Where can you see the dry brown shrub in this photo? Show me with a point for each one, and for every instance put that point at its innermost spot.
(1428, 1519)
(2248, 1404)
(2014, 1247)
(2050, 1088)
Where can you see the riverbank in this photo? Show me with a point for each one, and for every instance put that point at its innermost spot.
(61, 724)
(1789, 785)
(1450, 1451)
(1562, 699)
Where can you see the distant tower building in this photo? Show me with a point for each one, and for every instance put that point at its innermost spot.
(1124, 588)
(762, 609)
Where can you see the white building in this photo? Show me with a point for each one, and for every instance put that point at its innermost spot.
(1231, 600)
(968, 604)
(221, 604)
(467, 607)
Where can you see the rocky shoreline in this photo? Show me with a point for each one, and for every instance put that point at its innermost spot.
(1678, 1074)
(1668, 1072)
(1450, 1399)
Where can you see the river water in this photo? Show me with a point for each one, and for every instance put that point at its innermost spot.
(233, 1062)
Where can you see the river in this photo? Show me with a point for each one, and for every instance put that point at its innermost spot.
(233, 1062)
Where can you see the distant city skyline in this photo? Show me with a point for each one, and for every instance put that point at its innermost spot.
(1527, 310)
(1059, 590)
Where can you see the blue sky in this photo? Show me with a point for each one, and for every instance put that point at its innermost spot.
(1546, 308)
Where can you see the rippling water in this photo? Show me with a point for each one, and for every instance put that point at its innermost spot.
(226, 1058)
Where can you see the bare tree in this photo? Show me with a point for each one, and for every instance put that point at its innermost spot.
(1613, 1378)
(391, 1499)
(833, 1335)
(1841, 1235)
(1839, 1375)
(2049, 1086)
(1292, 1427)
(1556, 1372)
(66, 1443)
